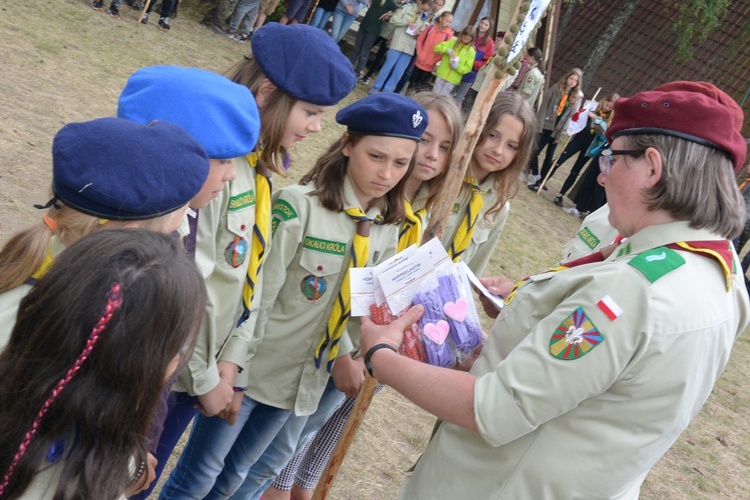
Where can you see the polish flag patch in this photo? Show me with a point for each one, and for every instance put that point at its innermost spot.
(609, 307)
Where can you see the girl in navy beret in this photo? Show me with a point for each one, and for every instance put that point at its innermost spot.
(84, 367)
(422, 186)
(481, 209)
(344, 213)
(295, 74)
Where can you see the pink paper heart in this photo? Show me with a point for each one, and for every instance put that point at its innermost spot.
(456, 310)
(437, 331)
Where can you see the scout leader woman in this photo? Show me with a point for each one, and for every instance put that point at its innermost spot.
(223, 117)
(103, 176)
(425, 181)
(344, 213)
(85, 365)
(481, 209)
(590, 374)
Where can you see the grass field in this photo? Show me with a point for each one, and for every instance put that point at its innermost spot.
(64, 62)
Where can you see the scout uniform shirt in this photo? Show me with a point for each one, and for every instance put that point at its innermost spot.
(486, 233)
(222, 254)
(10, 300)
(303, 273)
(590, 374)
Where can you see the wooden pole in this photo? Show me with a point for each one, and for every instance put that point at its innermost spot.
(143, 12)
(453, 182)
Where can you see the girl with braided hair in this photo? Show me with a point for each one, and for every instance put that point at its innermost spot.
(85, 365)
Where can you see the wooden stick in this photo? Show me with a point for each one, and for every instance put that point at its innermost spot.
(554, 162)
(440, 213)
(143, 12)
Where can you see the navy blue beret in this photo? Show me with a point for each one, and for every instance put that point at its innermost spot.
(122, 170)
(304, 62)
(219, 113)
(388, 114)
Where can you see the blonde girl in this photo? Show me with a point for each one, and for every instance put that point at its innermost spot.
(559, 103)
(344, 213)
(422, 187)
(458, 59)
(102, 177)
(502, 152)
(233, 232)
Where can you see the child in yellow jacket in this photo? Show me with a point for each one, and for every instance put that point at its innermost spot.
(458, 58)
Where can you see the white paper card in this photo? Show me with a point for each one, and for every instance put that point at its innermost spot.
(400, 283)
(362, 290)
(496, 301)
(387, 264)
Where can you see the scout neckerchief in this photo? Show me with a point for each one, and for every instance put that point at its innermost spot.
(359, 252)
(411, 229)
(462, 238)
(261, 232)
(563, 103)
(718, 250)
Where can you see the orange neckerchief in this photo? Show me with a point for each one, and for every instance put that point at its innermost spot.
(563, 102)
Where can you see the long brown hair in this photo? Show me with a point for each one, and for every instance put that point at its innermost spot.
(506, 180)
(487, 36)
(24, 253)
(274, 112)
(562, 84)
(99, 419)
(329, 174)
(608, 116)
(446, 106)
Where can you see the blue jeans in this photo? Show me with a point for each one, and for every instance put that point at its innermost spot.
(342, 20)
(320, 18)
(395, 65)
(295, 432)
(247, 10)
(218, 455)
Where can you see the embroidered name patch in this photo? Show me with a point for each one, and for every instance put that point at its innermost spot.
(575, 337)
(284, 210)
(325, 246)
(242, 200)
(588, 237)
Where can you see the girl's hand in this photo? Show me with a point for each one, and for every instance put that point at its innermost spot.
(496, 286)
(392, 334)
(233, 411)
(348, 375)
(216, 400)
(350, 9)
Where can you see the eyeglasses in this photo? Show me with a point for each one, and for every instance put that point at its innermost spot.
(606, 161)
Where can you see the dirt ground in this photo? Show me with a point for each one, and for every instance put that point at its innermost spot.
(63, 62)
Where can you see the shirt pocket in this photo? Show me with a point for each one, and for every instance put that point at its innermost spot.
(319, 276)
(237, 239)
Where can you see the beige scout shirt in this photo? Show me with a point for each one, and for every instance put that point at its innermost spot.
(10, 300)
(310, 243)
(401, 41)
(532, 83)
(595, 232)
(590, 427)
(486, 232)
(222, 253)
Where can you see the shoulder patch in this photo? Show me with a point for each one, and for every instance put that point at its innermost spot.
(242, 200)
(325, 246)
(575, 337)
(274, 224)
(283, 210)
(588, 237)
(657, 262)
(456, 207)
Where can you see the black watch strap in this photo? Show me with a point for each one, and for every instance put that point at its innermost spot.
(372, 350)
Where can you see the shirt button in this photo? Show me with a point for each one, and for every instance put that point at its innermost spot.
(242, 227)
(320, 268)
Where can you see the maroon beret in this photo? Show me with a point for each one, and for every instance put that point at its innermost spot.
(695, 111)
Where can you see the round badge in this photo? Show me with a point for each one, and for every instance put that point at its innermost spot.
(236, 252)
(313, 287)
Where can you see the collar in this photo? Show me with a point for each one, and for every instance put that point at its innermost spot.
(351, 201)
(660, 235)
